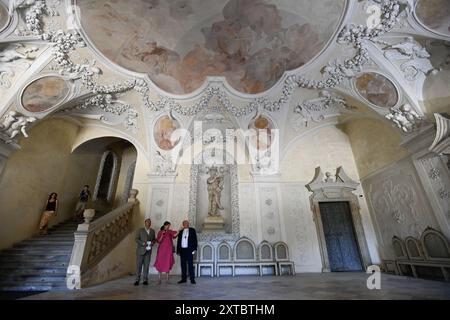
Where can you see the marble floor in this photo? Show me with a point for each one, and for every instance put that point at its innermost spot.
(328, 286)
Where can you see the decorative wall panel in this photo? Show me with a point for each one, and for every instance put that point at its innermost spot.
(300, 228)
(398, 204)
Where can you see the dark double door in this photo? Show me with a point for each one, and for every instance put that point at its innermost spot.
(340, 238)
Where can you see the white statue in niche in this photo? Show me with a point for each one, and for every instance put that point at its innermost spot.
(215, 186)
(14, 124)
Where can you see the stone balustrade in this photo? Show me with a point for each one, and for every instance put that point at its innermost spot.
(94, 240)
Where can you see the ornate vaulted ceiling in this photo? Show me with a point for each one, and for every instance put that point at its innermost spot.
(128, 66)
(179, 43)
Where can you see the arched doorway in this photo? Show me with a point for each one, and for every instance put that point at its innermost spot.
(115, 173)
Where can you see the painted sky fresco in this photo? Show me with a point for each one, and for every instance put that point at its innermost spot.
(181, 42)
(435, 14)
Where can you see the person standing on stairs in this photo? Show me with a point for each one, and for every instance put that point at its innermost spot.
(51, 209)
(85, 194)
(145, 238)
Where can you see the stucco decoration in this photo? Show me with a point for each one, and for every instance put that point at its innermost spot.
(327, 105)
(13, 124)
(405, 118)
(15, 58)
(434, 14)
(179, 43)
(413, 57)
(234, 224)
(352, 35)
(33, 11)
(44, 94)
(377, 89)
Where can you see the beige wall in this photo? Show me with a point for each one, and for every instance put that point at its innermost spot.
(375, 144)
(436, 94)
(129, 156)
(43, 165)
(328, 148)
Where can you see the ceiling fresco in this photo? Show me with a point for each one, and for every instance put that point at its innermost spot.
(435, 14)
(44, 94)
(377, 89)
(4, 16)
(181, 42)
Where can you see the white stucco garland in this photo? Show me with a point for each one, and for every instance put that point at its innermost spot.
(335, 72)
(103, 97)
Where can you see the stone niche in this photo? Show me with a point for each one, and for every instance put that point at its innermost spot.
(199, 203)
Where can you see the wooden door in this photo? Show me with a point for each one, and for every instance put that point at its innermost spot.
(340, 238)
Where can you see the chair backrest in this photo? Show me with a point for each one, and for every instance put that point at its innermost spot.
(224, 252)
(399, 248)
(435, 245)
(281, 251)
(265, 251)
(244, 250)
(196, 255)
(413, 249)
(207, 253)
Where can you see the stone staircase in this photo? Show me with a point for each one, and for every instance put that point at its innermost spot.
(39, 263)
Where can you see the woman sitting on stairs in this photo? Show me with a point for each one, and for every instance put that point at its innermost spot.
(51, 209)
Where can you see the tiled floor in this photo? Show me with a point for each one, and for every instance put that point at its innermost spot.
(303, 286)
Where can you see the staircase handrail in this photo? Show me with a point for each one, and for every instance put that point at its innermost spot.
(94, 240)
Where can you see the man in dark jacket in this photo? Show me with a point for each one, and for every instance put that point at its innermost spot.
(186, 249)
(145, 238)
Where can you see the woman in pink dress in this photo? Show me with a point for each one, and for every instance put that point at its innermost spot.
(164, 257)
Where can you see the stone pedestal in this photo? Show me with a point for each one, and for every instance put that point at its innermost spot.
(214, 223)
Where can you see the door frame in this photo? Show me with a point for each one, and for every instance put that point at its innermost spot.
(340, 189)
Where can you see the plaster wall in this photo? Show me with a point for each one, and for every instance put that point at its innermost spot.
(44, 164)
(375, 144)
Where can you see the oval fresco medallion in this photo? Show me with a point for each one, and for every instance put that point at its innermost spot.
(264, 133)
(179, 43)
(377, 89)
(162, 133)
(44, 94)
(4, 16)
(435, 15)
